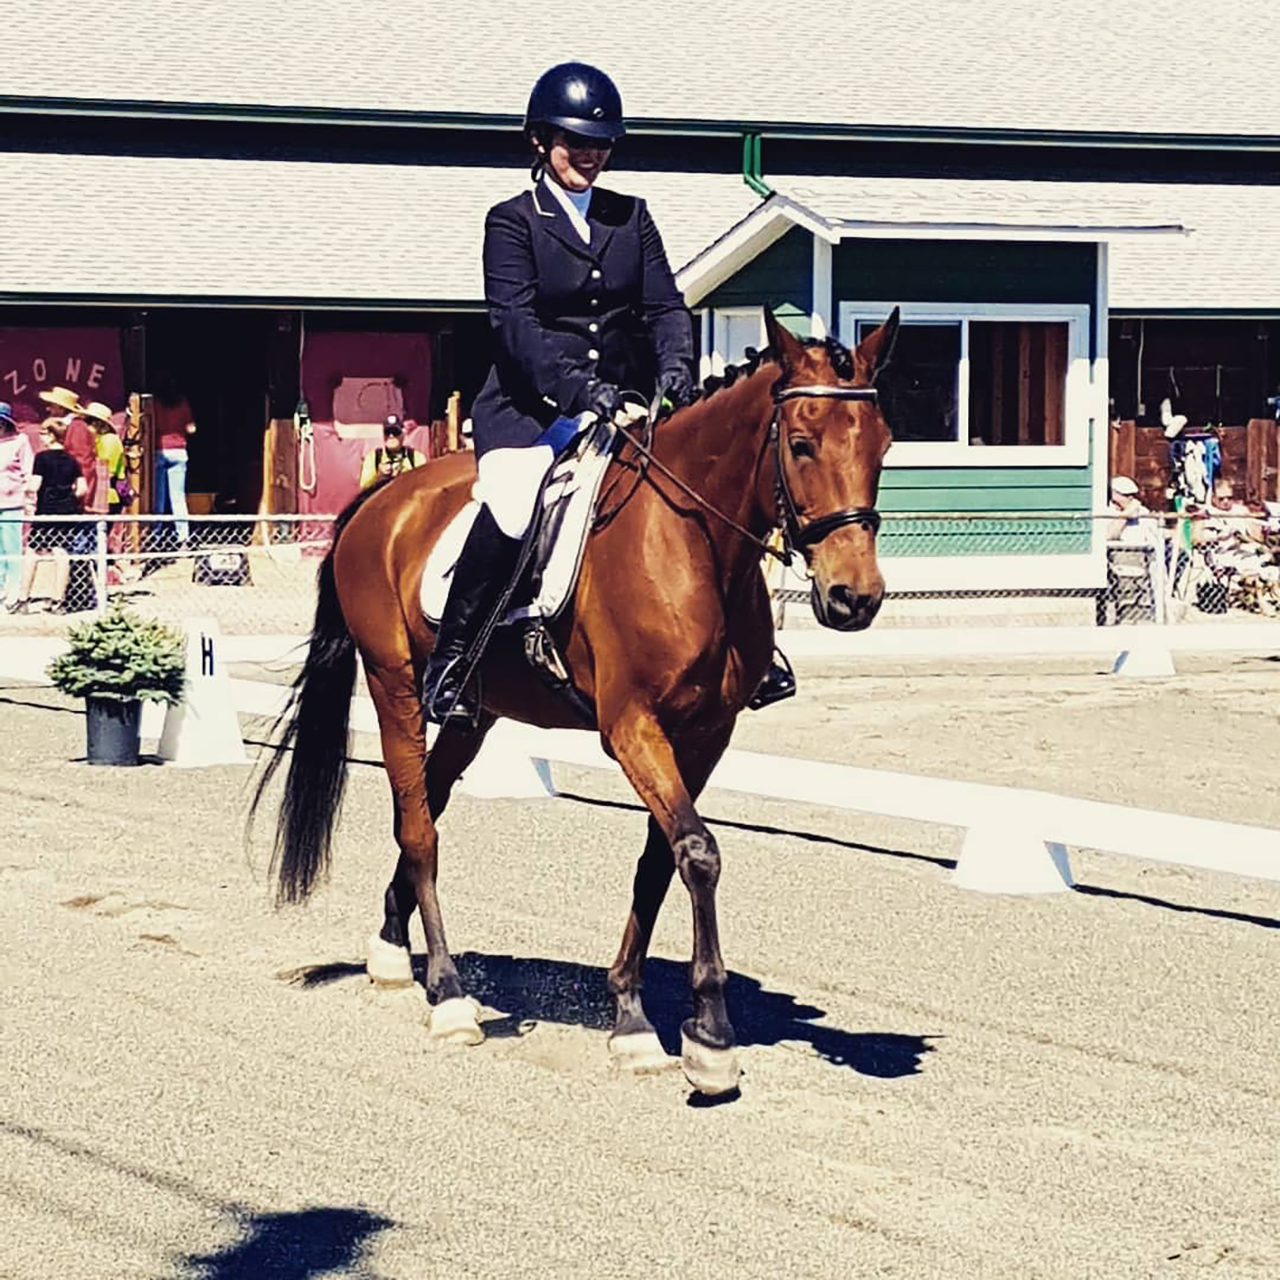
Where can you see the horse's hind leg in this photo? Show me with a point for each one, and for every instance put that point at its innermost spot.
(634, 1044)
(388, 949)
(404, 752)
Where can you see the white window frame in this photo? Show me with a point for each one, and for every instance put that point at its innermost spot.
(714, 359)
(1077, 401)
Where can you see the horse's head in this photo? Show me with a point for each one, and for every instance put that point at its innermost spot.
(832, 440)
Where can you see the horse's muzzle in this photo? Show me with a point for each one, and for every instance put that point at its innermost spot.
(842, 608)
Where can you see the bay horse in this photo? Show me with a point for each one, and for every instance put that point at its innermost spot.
(668, 634)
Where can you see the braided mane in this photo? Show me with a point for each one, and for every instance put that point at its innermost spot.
(839, 356)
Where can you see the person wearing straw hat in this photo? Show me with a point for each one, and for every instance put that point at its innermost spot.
(108, 447)
(16, 458)
(59, 487)
(62, 398)
(111, 475)
(80, 440)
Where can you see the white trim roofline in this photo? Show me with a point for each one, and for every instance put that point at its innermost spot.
(777, 214)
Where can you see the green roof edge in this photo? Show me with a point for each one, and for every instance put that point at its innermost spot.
(250, 112)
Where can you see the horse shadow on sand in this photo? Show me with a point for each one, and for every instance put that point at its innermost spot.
(293, 1246)
(529, 990)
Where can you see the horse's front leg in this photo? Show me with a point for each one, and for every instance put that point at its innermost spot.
(650, 762)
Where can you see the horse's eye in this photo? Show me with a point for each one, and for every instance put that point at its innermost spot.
(801, 447)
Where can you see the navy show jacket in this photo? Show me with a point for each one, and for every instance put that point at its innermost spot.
(564, 312)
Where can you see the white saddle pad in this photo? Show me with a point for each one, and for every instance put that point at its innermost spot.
(568, 503)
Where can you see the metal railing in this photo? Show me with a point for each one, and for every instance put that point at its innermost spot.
(256, 574)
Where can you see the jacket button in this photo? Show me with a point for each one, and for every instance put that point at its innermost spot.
(595, 328)
(595, 273)
(593, 354)
(595, 302)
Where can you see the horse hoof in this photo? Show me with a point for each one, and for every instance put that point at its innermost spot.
(386, 964)
(711, 1071)
(454, 1021)
(639, 1053)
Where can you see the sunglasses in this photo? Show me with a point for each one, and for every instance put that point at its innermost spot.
(584, 142)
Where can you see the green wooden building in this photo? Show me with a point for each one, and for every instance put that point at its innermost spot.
(998, 392)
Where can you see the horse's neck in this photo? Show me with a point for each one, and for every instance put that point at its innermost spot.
(716, 447)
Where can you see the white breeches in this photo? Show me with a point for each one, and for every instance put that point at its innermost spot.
(507, 483)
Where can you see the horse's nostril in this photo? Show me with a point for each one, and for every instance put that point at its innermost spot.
(844, 602)
(841, 600)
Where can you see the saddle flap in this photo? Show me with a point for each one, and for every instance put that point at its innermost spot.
(560, 531)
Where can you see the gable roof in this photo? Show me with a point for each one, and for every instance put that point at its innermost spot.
(1227, 257)
(834, 209)
(1089, 67)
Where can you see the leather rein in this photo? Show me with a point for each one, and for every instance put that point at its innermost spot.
(796, 536)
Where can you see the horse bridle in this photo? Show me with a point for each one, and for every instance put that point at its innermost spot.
(797, 536)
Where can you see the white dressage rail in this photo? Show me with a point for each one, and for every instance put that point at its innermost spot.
(517, 756)
(1015, 641)
(972, 806)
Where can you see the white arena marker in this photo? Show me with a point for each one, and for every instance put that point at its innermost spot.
(1010, 859)
(203, 729)
(504, 769)
(1145, 660)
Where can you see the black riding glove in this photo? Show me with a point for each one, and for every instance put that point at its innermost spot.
(676, 386)
(601, 398)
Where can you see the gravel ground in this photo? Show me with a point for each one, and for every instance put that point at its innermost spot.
(937, 1083)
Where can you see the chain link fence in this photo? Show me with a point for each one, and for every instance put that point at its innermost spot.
(256, 574)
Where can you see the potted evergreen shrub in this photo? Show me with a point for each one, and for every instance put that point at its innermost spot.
(115, 662)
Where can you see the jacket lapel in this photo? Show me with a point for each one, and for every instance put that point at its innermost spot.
(556, 221)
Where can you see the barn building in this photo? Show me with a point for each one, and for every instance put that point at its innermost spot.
(1079, 213)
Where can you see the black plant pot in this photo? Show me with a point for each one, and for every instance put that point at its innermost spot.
(113, 730)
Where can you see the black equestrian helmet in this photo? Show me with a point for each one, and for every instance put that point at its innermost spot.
(579, 98)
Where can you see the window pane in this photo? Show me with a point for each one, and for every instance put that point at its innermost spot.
(918, 389)
(734, 334)
(1017, 382)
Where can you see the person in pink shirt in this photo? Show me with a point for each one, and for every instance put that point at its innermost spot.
(16, 456)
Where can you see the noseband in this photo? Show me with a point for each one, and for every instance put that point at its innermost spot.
(797, 536)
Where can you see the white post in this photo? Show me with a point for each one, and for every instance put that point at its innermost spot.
(203, 728)
(100, 565)
(821, 314)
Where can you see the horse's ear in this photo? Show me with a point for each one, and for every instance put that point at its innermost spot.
(782, 340)
(875, 349)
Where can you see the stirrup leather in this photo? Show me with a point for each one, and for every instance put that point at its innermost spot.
(543, 655)
(464, 701)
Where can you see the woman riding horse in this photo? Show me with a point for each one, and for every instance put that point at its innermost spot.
(583, 304)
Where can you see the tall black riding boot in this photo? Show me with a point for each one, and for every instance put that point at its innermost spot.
(484, 568)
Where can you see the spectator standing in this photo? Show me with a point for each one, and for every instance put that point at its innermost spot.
(174, 424)
(111, 472)
(59, 486)
(16, 457)
(391, 457)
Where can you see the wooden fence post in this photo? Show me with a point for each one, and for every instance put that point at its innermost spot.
(1121, 454)
(1262, 461)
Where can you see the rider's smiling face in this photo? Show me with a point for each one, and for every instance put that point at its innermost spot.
(576, 161)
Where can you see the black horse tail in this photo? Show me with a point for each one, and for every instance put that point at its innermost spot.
(315, 724)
